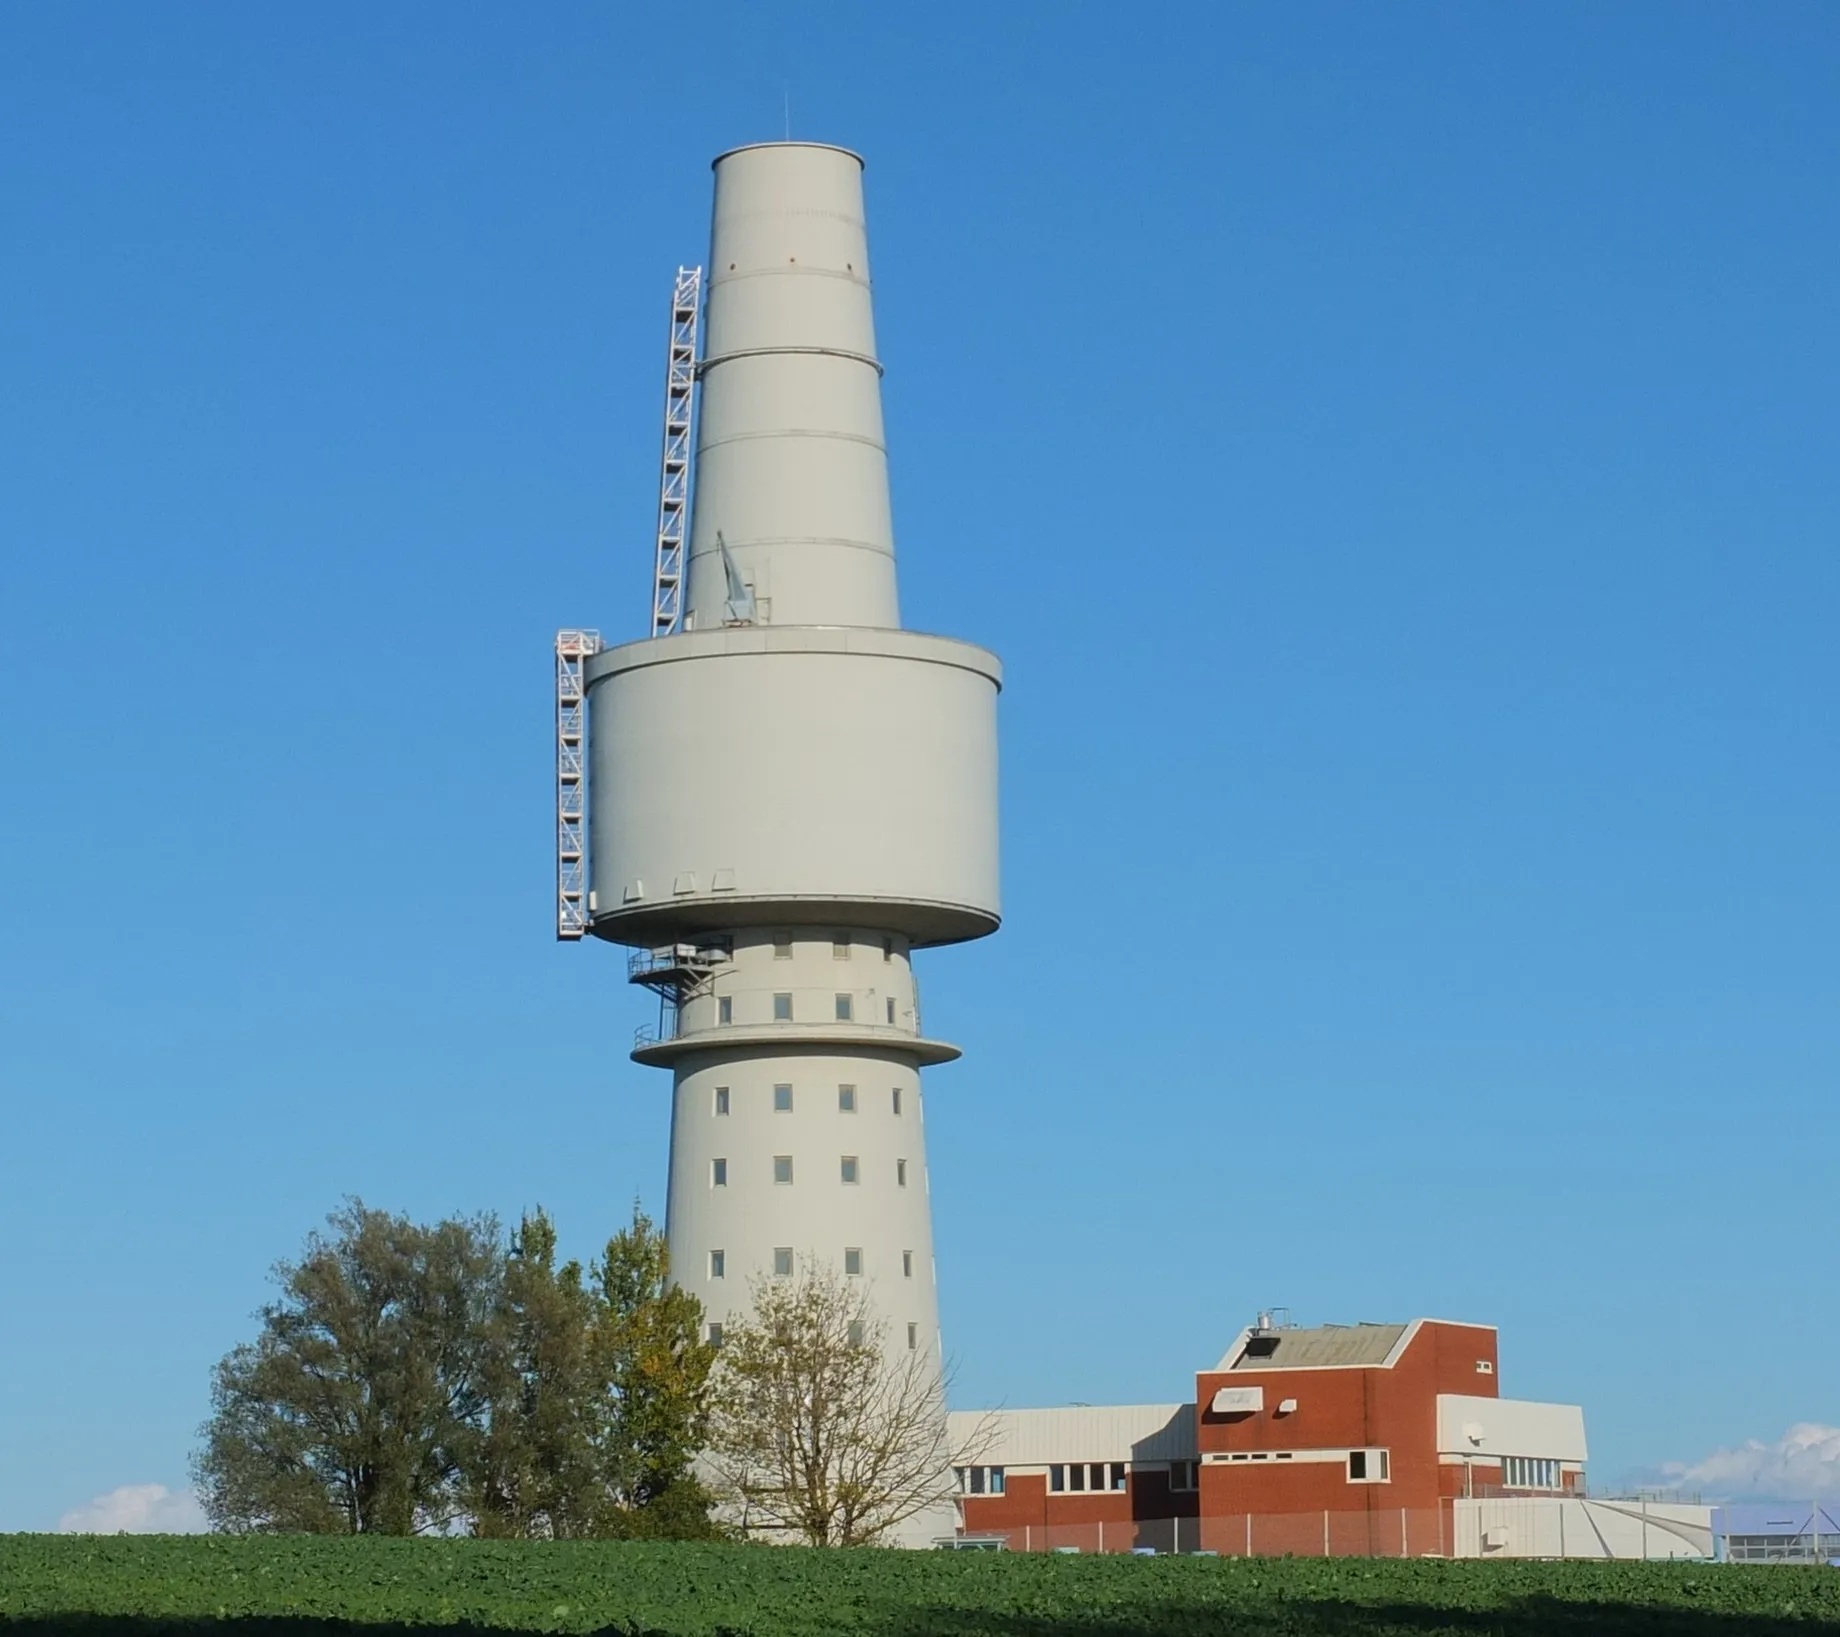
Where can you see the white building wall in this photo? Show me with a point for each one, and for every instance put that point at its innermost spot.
(1491, 1428)
(1552, 1527)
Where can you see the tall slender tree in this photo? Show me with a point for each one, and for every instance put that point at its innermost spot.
(656, 1366)
(536, 1464)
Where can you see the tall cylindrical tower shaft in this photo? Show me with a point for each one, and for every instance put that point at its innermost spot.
(792, 473)
(792, 795)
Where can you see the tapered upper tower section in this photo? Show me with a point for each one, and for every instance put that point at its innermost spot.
(792, 757)
(792, 469)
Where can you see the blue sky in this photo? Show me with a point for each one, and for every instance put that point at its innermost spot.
(1393, 449)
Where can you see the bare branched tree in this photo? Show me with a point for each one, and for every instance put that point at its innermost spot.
(818, 1430)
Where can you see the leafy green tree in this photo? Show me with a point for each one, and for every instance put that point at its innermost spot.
(656, 1368)
(415, 1379)
(536, 1468)
(359, 1406)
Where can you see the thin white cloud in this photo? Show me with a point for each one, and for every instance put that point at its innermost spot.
(1803, 1464)
(137, 1509)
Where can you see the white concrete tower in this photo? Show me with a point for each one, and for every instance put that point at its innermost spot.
(791, 794)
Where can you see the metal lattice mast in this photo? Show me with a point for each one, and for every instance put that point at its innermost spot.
(572, 650)
(674, 472)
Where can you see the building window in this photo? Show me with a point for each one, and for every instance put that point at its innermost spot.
(846, 1009)
(782, 1261)
(852, 1262)
(718, 1173)
(1368, 1466)
(714, 1333)
(782, 1099)
(846, 1099)
(1057, 1479)
(782, 946)
(1185, 1475)
(888, 949)
(851, 1170)
(1076, 1478)
(721, 1099)
(979, 1480)
(897, 1099)
(718, 1264)
(1525, 1472)
(782, 1008)
(900, 1173)
(782, 1167)
(856, 1332)
(913, 1337)
(840, 949)
(1485, 1367)
(1118, 1475)
(891, 1011)
(725, 1008)
(907, 1264)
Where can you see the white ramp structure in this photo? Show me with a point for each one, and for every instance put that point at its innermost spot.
(789, 793)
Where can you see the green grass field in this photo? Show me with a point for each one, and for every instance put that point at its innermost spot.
(312, 1587)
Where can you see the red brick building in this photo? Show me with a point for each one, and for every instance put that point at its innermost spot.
(1340, 1438)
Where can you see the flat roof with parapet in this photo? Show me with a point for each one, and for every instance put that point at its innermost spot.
(1327, 1344)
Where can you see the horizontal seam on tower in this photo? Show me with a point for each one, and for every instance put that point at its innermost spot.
(794, 540)
(808, 270)
(708, 364)
(795, 432)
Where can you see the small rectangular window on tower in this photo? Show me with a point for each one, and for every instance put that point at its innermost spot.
(913, 1337)
(782, 1008)
(852, 1262)
(718, 1264)
(907, 1264)
(888, 949)
(840, 949)
(721, 1099)
(718, 1173)
(714, 1333)
(851, 1169)
(782, 946)
(900, 1173)
(856, 1332)
(782, 1168)
(782, 1261)
(897, 1099)
(782, 1099)
(846, 1099)
(846, 1009)
(725, 1008)
(891, 1011)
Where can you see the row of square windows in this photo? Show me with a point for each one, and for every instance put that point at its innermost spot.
(782, 1099)
(849, 1167)
(858, 1335)
(844, 1004)
(782, 1263)
(1080, 1477)
(842, 948)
